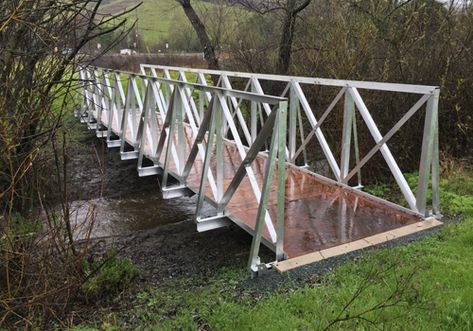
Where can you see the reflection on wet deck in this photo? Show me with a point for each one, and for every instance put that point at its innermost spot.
(318, 213)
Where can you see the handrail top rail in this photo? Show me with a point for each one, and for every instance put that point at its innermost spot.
(250, 96)
(367, 85)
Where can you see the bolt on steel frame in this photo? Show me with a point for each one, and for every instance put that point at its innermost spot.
(349, 92)
(155, 116)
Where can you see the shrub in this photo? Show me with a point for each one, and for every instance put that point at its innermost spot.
(107, 275)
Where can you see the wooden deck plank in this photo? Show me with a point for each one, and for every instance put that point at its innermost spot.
(376, 239)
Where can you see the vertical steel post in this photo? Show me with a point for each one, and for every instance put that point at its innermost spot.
(133, 110)
(170, 137)
(435, 174)
(95, 96)
(224, 120)
(98, 101)
(86, 108)
(93, 89)
(82, 92)
(357, 148)
(179, 110)
(119, 103)
(293, 105)
(253, 117)
(219, 156)
(145, 114)
(208, 154)
(124, 121)
(91, 93)
(261, 121)
(138, 102)
(111, 107)
(348, 111)
(281, 187)
(426, 161)
(254, 261)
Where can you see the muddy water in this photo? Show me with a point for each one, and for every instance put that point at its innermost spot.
(158, 236)
(109, 192)
(130, 213)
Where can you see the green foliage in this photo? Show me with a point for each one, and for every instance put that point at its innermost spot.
(386, 41)
(23, 226)
(108, 275)
(161, 21)
(379, 190)
(457, 204)
(456, 192)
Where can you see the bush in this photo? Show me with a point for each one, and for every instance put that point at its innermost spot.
(456, 189)
(108, 275)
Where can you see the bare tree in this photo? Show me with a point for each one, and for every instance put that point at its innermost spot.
(42, 44)
(199, 27)
(291, 10)
(40, 41)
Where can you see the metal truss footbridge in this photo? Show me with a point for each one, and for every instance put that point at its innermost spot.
(247, 157)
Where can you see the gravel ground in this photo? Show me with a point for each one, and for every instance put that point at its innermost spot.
(274, 280)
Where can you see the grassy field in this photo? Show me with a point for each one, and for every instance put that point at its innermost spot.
(426, 285)
(155, 17)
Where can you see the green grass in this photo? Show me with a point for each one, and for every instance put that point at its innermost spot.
(456, 192)
(156, 18)
(191, 78)
(107, 276)
(427, 285)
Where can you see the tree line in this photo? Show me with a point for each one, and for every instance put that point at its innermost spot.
(402, 41)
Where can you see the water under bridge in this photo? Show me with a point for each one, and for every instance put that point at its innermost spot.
(245, 154)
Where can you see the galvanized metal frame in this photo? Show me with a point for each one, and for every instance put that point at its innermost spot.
(158, 113)
(153, 120)
(353, 104)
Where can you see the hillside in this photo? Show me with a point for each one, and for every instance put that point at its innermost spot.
(155, 17)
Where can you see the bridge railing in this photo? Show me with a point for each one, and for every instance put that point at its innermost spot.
(300, 113)
(155, 116)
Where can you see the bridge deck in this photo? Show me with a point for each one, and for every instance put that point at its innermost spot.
(319, 213)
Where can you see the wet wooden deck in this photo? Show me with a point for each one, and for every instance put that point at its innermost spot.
(319, 214)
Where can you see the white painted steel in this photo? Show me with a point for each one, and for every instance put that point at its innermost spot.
(347, 168)
(393, 87)
(134, 113)
(392, 164)
(163, 106)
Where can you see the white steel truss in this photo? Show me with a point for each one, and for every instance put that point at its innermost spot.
(154, 116)
(344, 170)
(184, 126)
